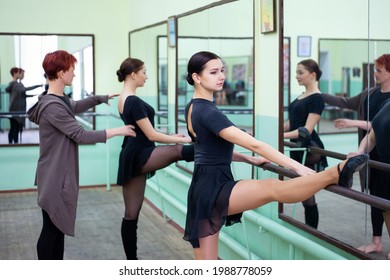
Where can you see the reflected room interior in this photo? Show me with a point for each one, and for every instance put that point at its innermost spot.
(346, 75)
(27, 51)
(155, 89)
(345, 49)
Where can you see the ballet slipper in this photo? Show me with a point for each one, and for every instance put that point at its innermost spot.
(371, 248)
(352, 165)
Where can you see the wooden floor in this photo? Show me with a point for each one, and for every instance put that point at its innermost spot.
(99, 217)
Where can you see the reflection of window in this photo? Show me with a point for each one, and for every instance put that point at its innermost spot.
(24, 46)
(75, 90)
(88, 69)
(82, 85)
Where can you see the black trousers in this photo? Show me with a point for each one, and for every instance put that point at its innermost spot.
(50, 244)
(15, 128)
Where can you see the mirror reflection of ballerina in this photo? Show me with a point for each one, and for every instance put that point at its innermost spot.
(17, 104)
(304, 114)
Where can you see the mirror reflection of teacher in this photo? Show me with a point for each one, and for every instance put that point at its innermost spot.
(17, 103)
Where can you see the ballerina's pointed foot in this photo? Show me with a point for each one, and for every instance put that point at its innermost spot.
(352, 165)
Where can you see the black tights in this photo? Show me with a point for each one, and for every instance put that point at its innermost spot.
(50, 244)
(133, 191)
(162, 156)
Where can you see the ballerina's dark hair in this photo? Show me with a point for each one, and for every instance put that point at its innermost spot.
(312, 66)
(197, 62)
(128, 66)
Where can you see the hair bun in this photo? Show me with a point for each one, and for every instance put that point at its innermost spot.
(120, 76)
(189, 79)
(319, 74)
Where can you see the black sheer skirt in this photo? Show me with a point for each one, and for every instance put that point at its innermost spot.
(208, 202)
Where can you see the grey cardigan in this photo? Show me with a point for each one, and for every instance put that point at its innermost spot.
(18, 95)
(57, 176)
(355, 103)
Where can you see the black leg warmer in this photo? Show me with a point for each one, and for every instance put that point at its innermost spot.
(188, 153)
(129, 238)
(311, 215)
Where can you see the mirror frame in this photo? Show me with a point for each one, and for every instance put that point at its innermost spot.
(92, 36)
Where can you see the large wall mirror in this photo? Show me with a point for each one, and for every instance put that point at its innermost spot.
(27, 51)
(150, 45)
(212, 30)
(345, 42)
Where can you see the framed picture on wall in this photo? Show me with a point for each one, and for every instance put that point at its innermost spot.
(267, 10)
(304, 46)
